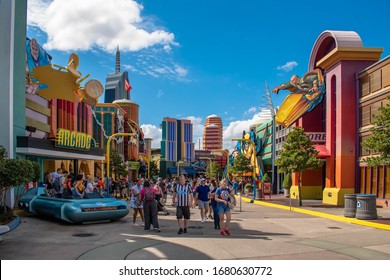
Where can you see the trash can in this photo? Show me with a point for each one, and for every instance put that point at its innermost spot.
(350, 205)
(259, 194)
(366, 207)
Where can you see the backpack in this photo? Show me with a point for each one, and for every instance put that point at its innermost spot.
(149, 195)
(57, 184)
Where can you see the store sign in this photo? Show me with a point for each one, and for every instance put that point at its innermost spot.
(73, 140)
(316, 137)
(134, 165)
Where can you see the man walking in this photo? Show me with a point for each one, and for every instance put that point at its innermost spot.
(182, 196)
(202, 195)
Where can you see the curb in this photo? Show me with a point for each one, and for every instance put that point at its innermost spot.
(320, 214)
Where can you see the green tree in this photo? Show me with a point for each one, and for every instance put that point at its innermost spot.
(378, 144)
(117, 165)
(241, 165)
(154, 172)
(13, 173)
(298, 155)
(216, 170)
(287, 181)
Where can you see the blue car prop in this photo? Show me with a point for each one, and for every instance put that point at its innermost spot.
(73, 210)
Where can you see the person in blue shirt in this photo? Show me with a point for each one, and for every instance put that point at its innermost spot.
(223, 195)
(202, 195)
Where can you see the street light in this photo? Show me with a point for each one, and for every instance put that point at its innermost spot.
(178, 167)
(108, 153)
(213, 152)
(254, 158)
(210, 164)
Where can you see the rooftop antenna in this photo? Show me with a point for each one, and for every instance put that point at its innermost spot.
(118, 61)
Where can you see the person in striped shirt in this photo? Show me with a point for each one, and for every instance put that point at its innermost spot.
(183, 197)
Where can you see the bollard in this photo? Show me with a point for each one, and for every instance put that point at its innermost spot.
(350, 205)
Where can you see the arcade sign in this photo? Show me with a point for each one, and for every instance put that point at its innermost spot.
(73, 140)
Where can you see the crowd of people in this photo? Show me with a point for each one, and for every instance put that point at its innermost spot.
(214, 201)
(149, 197)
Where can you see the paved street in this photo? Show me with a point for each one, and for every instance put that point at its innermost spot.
(258, 232)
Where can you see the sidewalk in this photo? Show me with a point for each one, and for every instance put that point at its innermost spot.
(318, 209)
(260, 230)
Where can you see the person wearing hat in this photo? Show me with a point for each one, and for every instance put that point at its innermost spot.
(202, 195)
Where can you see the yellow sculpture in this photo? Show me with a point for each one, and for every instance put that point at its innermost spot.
(64, 83)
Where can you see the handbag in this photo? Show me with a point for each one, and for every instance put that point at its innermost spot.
(231, 203)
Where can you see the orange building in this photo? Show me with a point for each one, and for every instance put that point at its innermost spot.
(342, 56)
(213, 136)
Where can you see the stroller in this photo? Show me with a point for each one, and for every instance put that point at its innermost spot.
(160, 206)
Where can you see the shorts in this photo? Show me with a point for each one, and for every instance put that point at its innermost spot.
(183, 211)
(223, 208)
(203, 204)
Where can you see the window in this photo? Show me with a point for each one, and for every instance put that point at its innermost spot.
(375, 81)
(364, 86)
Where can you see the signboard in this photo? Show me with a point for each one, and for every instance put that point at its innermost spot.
(134, 165)
(73, 140)
(316, 137)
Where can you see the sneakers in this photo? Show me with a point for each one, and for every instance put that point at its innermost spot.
(134, 224)
(157, 229)
(227, 232)
(211, 217)
(180, 231)
(205, 218)
(185, 230)
(202, 221)
(222, 233)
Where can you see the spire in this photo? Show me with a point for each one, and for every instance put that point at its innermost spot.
(118, 60)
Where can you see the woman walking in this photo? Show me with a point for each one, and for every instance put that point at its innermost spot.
(223, 196)
(150, 207)
(136, 203)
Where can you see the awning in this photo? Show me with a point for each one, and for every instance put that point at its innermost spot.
(172, 170)
(189, 170)
(323, 152)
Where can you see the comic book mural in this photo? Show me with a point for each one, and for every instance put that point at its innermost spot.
(52, 81)
(305, 94)
(35, 56)
(251, 151)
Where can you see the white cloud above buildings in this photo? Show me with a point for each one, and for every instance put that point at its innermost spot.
(288, 66)
(83, 25)
(154, 132)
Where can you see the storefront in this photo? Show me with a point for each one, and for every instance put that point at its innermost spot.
(342, 56)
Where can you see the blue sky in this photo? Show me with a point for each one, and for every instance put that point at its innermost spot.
(194, 58)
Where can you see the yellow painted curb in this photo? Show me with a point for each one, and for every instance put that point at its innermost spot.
(320, 214)
(19, 212)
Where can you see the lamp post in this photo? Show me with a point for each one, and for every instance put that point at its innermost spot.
(253, 167)
(227, 157)
(210, 163)
(108, 153)
(178, 167)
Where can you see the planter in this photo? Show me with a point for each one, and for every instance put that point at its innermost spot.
(9, 226)
(287, 192)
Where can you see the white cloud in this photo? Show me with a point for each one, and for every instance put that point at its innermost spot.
(235, 129)
(288, 66)
(84, 25)
(251, 110)
(154, 132)
(160, 93)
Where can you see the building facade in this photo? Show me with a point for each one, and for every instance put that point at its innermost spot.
(374, 91)
(176, 144)
(342, 56)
